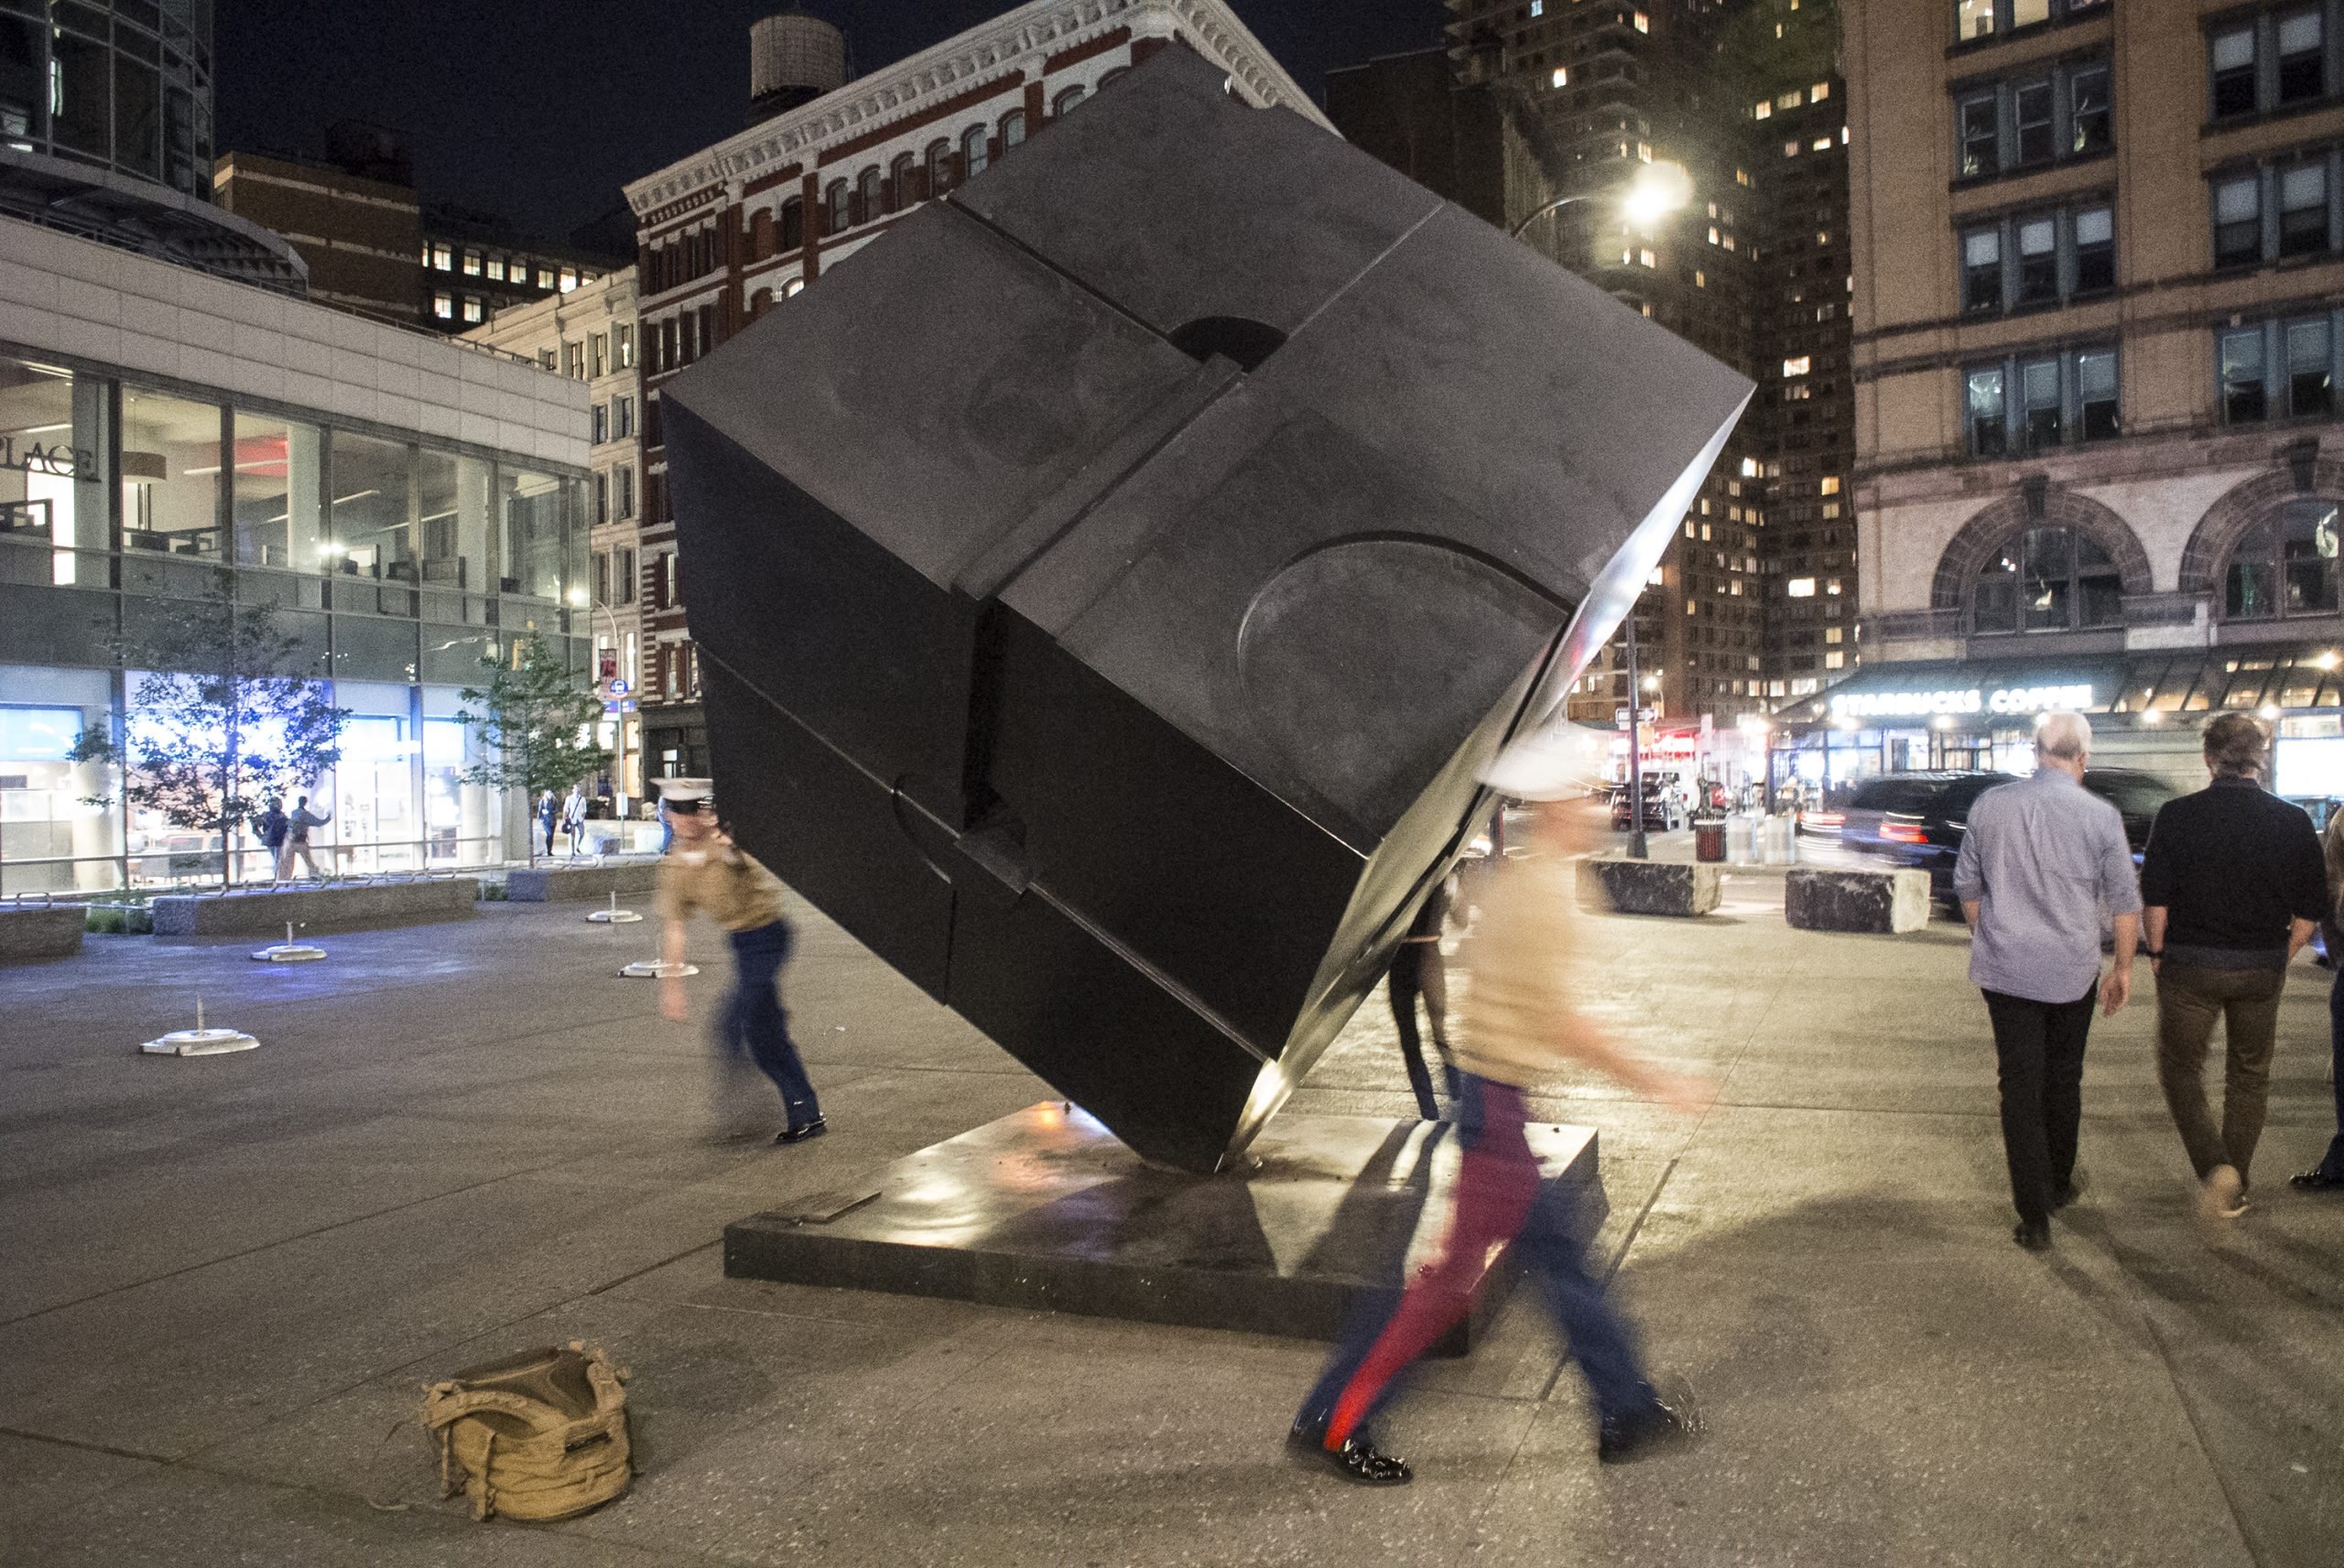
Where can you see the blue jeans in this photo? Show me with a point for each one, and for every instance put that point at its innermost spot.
(2333, 1165)
(1500, 1196)
(753, 1022)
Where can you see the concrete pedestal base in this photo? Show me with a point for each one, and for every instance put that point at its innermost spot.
(1045, 1209)
(1876, 903)
(546, 884)
(41, 930)
(1650, 887)
(337, 907)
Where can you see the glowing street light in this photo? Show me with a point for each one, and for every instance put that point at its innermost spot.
(1657, 190)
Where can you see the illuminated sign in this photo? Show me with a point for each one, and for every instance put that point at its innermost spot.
(65, 462)
(1970, 699)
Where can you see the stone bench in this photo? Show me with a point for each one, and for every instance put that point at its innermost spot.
(548, 884)
(41, 930)
(1881, 903)
(337, 906)
(1650, 887)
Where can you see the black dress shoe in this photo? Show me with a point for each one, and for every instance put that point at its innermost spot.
(1356, 1459)
(2319, 1181)
(813, 1129)
(2067, 1192)
(2034, 1235)
(1665, 1424)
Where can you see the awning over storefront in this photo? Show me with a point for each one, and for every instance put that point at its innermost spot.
(2288, 677)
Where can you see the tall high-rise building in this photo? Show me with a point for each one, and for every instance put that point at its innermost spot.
(2100, 253)
(106, 133)
(1560, 106)
(735, 230)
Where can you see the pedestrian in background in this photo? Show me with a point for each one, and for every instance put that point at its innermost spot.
(707, 872)
(548, 813)
(1519, 1028)
(1418, 971)
(2327, 1176)
(2041, 860)
(297, 837)
(573, 820)
(2235, 883)
(275, 829)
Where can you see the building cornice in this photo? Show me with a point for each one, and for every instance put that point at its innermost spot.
(991, 51)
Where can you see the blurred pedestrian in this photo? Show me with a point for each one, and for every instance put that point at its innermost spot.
(1519, 1029)
(2041, 860)
(1418, 971)
(297, 837)
(2327, 1176)
(275, 829)
(549, 814)
(707, 872)
(573, 820)
(2235, 883)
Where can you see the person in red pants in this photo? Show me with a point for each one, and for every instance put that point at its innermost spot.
(1518, 1030)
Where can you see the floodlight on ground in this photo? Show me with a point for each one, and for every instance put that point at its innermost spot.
(198, 1041)
(615, 915)
(289, 951)
(1658, 190)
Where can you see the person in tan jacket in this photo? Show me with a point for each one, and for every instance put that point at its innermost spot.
(704, 871)
(1519, 1029)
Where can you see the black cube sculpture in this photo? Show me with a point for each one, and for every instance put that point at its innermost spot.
(1109, 582)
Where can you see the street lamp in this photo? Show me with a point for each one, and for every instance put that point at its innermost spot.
(583, 600)
(1655, 190)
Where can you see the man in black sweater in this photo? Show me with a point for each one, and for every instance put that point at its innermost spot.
(2233, 885)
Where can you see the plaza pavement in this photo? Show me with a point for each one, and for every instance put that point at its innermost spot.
(225, 1282)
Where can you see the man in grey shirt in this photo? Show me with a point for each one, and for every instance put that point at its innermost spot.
(2041, 860)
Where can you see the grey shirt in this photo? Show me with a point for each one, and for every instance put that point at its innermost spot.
(2043, 858)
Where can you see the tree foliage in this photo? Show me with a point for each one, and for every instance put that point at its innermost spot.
(536, 720)
(229, 714)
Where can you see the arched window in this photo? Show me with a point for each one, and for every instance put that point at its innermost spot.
(900, 176)
(1066, 100)
(1114, 76)
(972, 152)
(1012, 129)
(940, 168)
(793, 287)
(837, 214)
(2286, 565)
(2048, 579)
(866, 189)
(793, 223)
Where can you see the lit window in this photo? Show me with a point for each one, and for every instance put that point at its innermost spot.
(1713, 235)
(793, 285)
(1835, 661)
(1742, 177)
(568, 279)
(443, 305)
(1833, 587)
(471, 264)
(443, 258)
(1700, 279)
(1643, 23)
(1830, 486)
(1646, 258)
(1790, 149)
(1800, 587)
(471, 308)
(1789, 100)
(497, 269)
(1750, 468)
(1763, 111)
(1562, 77)
(1799, 366)
(1818, 93)
(1822, 144)
(1537, 8)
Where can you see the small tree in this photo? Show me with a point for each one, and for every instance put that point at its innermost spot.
(229, 716)
(536, 721)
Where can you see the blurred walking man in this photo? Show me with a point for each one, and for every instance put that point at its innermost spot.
(1518, 1029)
(2235, 884)
(2327, 1176)
(2042, 860)
(704, 871)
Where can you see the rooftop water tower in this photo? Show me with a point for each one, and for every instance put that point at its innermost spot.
(794, 58)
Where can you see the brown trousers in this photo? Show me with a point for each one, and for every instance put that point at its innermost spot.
(2246, 1002)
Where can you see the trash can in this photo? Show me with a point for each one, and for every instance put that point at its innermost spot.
(1742, 840)
(1708, 840)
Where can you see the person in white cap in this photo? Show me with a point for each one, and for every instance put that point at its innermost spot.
(1518, 1029)
(706, 871)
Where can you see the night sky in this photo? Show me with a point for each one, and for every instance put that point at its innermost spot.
(540, 112)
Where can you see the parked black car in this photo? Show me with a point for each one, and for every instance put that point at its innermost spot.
(2137, 797)
(1917, 819)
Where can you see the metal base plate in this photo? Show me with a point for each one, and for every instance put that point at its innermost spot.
(200, 1043)
(1045, 1209)
(614, 917)
(290, 953)
(653, 970)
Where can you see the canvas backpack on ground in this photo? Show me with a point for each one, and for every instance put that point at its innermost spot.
(541, 1435)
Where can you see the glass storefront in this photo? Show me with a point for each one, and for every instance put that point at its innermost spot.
(397, 564)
